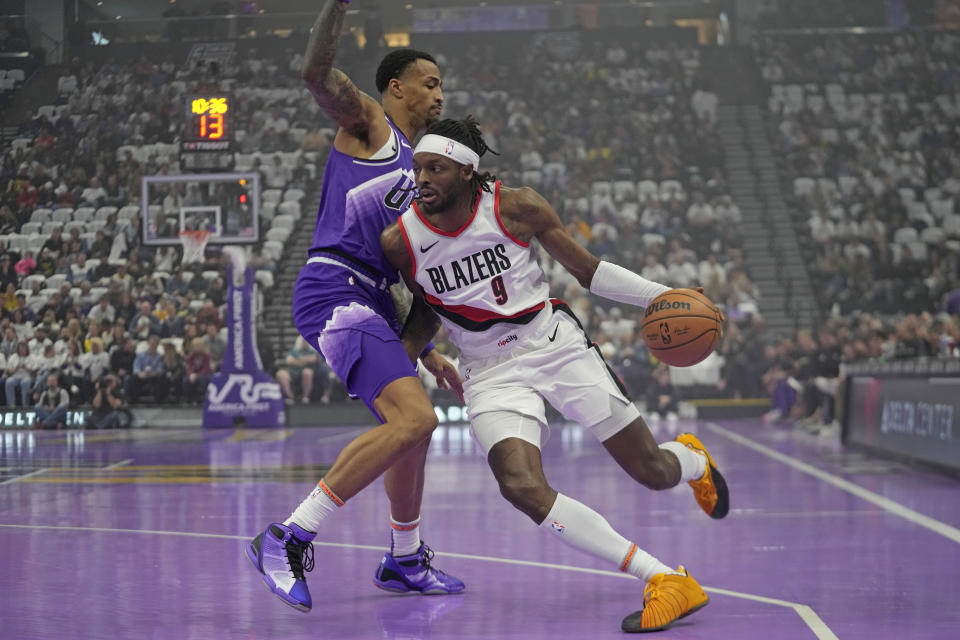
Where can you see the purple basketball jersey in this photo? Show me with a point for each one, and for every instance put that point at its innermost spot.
(361, 198)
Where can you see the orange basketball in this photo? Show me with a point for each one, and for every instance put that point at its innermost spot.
(681, 327)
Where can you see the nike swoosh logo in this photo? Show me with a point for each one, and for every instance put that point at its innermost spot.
(427, 248)
(554, 336)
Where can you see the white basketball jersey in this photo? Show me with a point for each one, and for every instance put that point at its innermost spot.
(486, 285)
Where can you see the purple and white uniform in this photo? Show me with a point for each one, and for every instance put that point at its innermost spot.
(341, 302)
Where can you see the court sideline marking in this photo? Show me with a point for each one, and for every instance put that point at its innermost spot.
(806, 613)
(942, 528)
(26, 475)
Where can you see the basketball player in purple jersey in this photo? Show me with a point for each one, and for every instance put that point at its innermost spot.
(343, 307)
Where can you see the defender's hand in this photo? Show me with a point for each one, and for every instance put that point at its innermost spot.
(445, 373)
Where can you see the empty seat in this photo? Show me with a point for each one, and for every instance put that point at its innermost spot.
(293, 195)
(278, 233)
(30, 228)
(41, 215)
(285, 221)
(290, 208)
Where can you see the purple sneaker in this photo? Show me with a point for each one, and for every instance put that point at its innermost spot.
(281, 554)
(413, 574)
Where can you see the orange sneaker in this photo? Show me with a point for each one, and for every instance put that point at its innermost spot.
(666, 598)
(711, 490)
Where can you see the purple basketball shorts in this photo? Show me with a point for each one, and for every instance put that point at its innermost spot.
(354, 327)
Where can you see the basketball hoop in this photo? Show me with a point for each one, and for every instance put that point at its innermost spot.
(194, 243)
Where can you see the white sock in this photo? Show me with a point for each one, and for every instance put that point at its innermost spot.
(692, 464)
(404, 537)
(580, 526)
(315, 507)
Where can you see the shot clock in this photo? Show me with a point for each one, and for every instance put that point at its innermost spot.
(208, 131)
(209, 118)
(209, 121)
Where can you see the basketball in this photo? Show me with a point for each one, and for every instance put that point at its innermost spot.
(681, 327)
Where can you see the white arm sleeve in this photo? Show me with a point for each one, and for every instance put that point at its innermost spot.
(616, 283)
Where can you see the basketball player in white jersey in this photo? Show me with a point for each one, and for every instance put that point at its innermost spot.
(464, 247)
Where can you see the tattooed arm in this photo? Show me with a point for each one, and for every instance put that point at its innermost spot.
(363, 128)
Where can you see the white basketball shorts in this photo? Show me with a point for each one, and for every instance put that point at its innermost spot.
(562, 369)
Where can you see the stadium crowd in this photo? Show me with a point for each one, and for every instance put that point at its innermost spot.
(619, 137)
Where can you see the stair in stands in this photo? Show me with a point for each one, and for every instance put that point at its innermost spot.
(770, 248)
(278, 317)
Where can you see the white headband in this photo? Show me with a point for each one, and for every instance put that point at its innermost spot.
(443, 146)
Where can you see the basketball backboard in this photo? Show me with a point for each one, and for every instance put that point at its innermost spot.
(226, 204)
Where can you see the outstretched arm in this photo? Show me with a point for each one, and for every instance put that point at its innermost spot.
(336, 94)
(530, 215)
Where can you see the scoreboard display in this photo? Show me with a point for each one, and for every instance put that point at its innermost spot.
(206, 143)
(209, 123)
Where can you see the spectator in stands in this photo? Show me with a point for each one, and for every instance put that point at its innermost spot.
(100, 249)
(8, 222)
(54, 244)
(95, 362)
(46, 262)
(53, 404)
(24, 266)
(122, 356)
(144, 313)
(275, 174)
(662, 397)
(148, 373)
(298, 366)
(198, 372)
(173, 372)
(215, 345)
(27, 198)
(122, 278)
(951, 299)
(75, 244)
(10, 301)
(107, 403)
(176, 284)
(73, 374)
(8, 345)
(21, 325)
(20, 371)
(8, 275)
(103, 310)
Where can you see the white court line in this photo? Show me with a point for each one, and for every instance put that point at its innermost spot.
(807, 614)
(944, 529)
(122, 463)
(26, 475)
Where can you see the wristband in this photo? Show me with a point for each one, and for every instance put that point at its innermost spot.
(427, 349)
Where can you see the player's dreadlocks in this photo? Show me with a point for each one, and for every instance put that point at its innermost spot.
(467, 132)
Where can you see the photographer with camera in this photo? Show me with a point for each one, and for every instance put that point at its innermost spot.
(107, 403)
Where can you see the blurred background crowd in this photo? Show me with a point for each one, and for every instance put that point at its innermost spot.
(619, 132)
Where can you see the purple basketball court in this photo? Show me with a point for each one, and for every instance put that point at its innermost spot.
(139, 534)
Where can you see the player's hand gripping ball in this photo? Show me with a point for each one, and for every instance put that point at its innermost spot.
(681, 327)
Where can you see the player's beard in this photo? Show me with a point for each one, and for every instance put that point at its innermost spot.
(445, 201)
